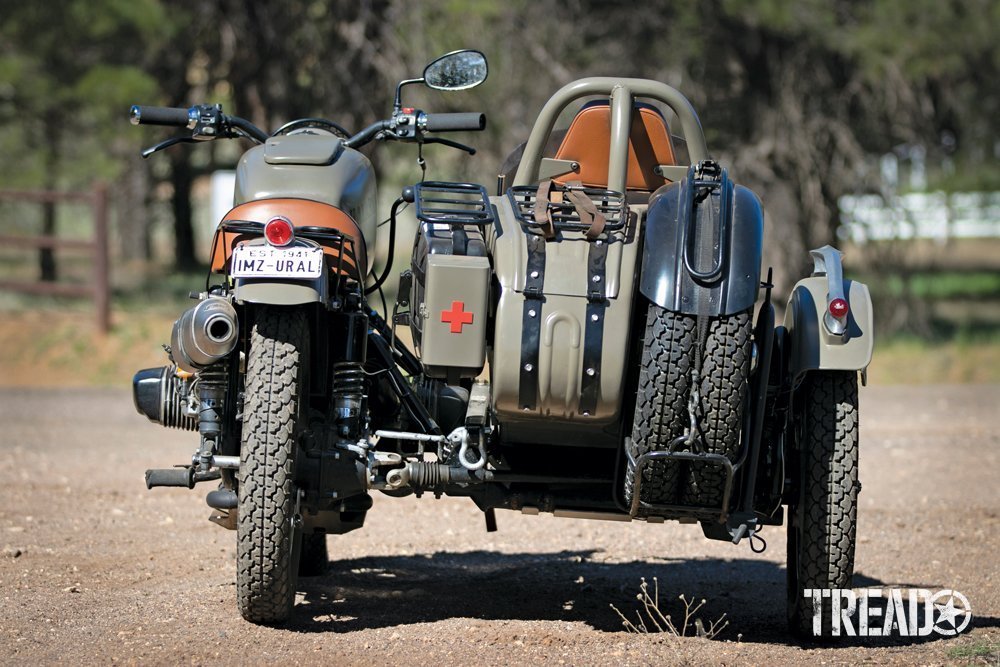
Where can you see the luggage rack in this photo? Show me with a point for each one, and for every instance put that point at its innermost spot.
(610, 203)
(702, 513)
(341, 244)
(442, 202)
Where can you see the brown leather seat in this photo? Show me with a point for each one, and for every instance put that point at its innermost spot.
(588, 142)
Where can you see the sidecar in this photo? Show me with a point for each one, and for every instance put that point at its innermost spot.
(604, 322)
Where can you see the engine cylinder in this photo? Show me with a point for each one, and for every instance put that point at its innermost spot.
(204, 334)
(161, 396)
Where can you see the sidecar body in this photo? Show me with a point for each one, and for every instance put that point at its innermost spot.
(632, 365)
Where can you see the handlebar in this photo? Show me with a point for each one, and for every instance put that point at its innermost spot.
(367, 134)
(207, 122)
(172, 116)
(454, 122)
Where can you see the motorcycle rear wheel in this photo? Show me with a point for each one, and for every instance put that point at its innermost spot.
(268, 533)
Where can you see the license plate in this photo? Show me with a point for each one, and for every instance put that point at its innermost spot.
(270, 262)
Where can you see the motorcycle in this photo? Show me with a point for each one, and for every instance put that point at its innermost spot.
(594, 341)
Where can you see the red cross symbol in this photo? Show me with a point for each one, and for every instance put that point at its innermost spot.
(456, 316)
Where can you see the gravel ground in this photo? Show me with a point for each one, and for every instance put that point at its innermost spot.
(96, 569)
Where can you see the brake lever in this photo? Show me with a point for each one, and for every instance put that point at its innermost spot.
(167, 143)
(451, 144)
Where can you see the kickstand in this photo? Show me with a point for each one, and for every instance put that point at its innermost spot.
(491, 520)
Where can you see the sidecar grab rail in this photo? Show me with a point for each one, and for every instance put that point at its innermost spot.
(622, 93)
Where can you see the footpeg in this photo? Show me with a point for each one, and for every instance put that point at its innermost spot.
(183, 477)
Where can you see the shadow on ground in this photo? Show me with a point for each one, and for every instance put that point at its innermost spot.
(569, 586)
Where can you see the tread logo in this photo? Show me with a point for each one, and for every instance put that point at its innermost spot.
(873, 612)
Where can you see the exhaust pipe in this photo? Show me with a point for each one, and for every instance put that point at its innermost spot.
(204, 334)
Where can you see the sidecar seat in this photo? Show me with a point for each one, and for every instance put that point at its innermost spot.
(588, 142)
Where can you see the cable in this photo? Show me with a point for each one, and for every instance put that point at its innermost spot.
(392, 247)
(384, 222)
(385, 308)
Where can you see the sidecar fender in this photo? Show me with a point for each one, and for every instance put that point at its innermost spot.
(701, 256)
(812, 345)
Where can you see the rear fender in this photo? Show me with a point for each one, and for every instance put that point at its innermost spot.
(282, 292)
(812, 346)
(716, 275)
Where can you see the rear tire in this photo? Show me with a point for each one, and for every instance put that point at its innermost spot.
(267, 532)
(724, 383)
(661, 412)
(822, 524)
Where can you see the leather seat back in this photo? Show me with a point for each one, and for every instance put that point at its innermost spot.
(588, 142)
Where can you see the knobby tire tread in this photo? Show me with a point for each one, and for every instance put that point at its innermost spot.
(661, 413)
(823, 525)
(724, 383)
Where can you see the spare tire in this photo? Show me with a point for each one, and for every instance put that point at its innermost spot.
(723, 387)
(661, 409)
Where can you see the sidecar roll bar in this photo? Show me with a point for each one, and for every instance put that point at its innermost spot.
(623, 93)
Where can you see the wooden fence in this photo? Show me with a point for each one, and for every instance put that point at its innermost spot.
(100, 288)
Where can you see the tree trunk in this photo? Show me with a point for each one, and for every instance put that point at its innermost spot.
(183, 178)
(46, 256)
(132, 212)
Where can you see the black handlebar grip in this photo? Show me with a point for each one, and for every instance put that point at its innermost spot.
(182, 477)
(141, 115)
(445, 122)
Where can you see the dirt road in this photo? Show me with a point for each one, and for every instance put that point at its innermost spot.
(96, 569)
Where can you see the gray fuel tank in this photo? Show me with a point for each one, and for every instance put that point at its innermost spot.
(311, 166)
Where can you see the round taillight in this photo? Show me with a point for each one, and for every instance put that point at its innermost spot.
(279, 231)
(838, 308)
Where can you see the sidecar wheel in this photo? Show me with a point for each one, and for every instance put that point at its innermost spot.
(267, 531)
(822, 523)
(661, 412)
(723, 387)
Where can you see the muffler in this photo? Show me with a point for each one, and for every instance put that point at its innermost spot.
(204, 334)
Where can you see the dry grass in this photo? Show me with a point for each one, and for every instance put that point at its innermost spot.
(652, 619)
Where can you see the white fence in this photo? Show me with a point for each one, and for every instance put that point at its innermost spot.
(931, 215)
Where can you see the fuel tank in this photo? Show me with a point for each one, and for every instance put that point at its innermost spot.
(311, 166)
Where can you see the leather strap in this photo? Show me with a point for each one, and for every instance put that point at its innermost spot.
(588, 213)
(542, 215)
(531, 322)
(593, 330)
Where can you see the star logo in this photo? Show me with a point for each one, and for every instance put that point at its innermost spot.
(951, 619)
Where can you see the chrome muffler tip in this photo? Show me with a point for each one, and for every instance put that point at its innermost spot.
(204, 334)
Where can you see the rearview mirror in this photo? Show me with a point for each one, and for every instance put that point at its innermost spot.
(457, 70)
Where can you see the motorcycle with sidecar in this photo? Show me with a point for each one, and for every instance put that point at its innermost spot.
(594, 340)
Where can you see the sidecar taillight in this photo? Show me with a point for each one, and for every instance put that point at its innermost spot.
(279, 231)
(838, 308)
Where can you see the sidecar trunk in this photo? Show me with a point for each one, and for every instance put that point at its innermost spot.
(564, 316)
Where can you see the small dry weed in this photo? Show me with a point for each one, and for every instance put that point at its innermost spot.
(651, 619)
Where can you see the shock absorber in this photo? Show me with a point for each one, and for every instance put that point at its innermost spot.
(348, 394)
(211, 387)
